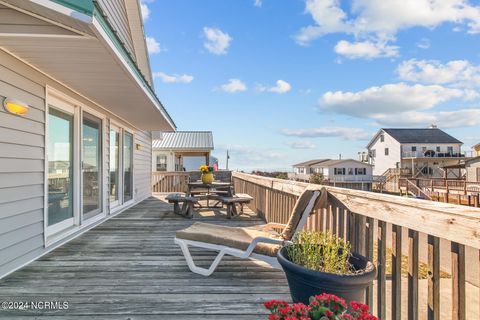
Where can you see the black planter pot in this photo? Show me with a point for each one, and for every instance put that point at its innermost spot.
(305, 283)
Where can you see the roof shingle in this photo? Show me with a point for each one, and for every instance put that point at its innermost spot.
(185, 140)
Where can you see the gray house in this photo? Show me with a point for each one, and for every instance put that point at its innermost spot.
(75, 126)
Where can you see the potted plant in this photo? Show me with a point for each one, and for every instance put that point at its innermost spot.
(321, 307)
(207, 174)
(317, 262)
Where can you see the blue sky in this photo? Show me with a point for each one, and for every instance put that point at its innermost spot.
(279, 82)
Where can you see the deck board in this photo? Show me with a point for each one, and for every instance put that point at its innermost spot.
(129, 268)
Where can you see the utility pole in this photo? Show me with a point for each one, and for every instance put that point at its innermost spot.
(228, 157)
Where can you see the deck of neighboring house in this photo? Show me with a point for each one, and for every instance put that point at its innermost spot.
(129, 268)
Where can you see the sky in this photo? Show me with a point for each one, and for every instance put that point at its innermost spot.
(285, 81)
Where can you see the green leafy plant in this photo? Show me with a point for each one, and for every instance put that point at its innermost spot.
(320, 251)
(316, 178)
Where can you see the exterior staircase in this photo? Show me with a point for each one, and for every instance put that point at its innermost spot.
(410, 187)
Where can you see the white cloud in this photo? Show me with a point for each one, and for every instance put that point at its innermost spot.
(388, 99)
(153, 46)
(365, 49)
(280, 87)
(424, 43)
(217, 41)
(381, 20)
(303, 144)
(174, 78)
(432, 71)
(386, 18)
(145, 11)
(257, 3)
(444, 119)
(323, 132)
(233, 86)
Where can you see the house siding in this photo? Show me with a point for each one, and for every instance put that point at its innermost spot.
(383, 162)
(22, 163)
(116, 15)
(142, 165)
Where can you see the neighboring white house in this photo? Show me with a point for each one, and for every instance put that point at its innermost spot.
(341, 171)
(171, 148)
(422, 152)
(472, 168)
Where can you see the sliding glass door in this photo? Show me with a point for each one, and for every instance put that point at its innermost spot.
(91, 165)
(60, 169)
(127, 166)
(114, 174)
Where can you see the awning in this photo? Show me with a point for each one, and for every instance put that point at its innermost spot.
(83, 53)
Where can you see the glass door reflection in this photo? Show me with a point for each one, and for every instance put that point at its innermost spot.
(114, 174)
(127, 166)
(91, 165)
(60, 169)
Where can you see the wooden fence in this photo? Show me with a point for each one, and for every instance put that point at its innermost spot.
(449, 191)
(390, 231)
(169, 181)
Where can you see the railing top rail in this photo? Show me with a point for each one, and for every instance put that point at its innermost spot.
(448, 221)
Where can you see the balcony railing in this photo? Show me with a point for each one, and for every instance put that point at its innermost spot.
(408, 235)
(334, 178)
(434, 154)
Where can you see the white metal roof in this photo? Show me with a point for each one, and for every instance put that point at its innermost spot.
(185, 140)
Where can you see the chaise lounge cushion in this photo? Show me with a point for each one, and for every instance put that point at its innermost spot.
(300, 207)
(233, 237)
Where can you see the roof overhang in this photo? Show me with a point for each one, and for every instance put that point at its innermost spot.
(84, 54)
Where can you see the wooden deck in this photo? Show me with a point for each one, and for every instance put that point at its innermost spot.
(129, 268)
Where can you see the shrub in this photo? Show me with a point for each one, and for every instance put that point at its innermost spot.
(316, 178)
(320, 251)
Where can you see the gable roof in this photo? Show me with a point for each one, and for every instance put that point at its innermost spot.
(416, 135)
(330, 162)
(425, 135)
(185, 140)
(309, 163)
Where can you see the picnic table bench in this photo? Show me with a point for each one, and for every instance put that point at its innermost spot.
(232, 201)
(188, 202)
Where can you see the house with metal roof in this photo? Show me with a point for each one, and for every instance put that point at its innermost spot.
(76, 122)
(422, 152)
(171, 148)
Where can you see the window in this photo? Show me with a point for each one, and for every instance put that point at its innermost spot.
(127, 166)
(373, 153)
(382, 138)
(438, 149)
(114, 165)
(360, 171)
(339, 171)
(350, 171)
(450, 150)
(414, 149)
(161, 162)
(386, 151)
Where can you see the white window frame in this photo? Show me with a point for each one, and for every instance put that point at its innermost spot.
(132, 132)
(58, 102)
(62, 230)
(113, 205)
(103, 201)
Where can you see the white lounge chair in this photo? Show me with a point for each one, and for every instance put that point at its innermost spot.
(259, 242)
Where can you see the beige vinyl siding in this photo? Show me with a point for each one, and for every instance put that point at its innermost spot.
(22, 154)
(116, 15)
(142, 165)
(22, 162)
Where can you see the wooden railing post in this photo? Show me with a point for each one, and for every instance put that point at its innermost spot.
(433, 278)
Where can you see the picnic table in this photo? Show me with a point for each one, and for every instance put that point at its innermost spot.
(210, 190)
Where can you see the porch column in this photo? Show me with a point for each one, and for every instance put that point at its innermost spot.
(207, 159)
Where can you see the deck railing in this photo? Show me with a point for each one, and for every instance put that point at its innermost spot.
(404, 237)
(169, 181)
